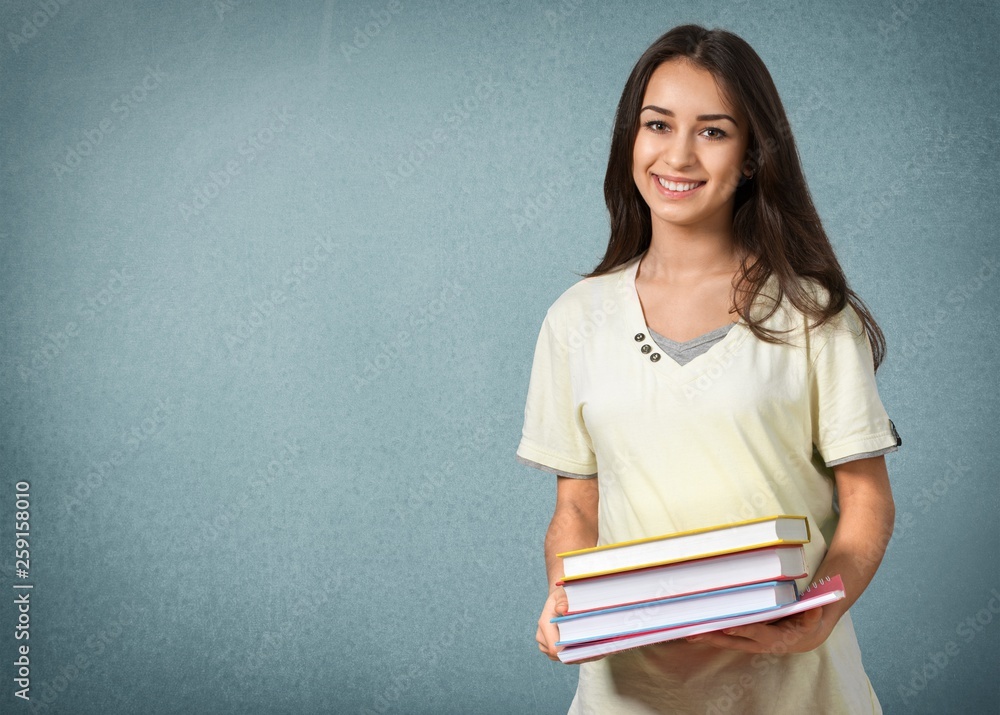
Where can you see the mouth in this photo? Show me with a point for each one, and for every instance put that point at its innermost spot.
(677, 189)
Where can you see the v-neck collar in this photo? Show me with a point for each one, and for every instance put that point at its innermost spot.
(694, 342)
(636, 333)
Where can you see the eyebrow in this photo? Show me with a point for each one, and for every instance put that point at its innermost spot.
(701, 118)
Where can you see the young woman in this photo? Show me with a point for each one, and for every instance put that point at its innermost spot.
(714, 367)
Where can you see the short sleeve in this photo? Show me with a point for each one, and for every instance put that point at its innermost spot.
(848, 418)
(554, 437)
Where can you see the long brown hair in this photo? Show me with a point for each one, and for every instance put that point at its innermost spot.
(774, 217)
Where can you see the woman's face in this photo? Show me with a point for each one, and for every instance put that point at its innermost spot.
(693, 141)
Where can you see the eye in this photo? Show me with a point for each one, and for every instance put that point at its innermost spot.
(658, 126)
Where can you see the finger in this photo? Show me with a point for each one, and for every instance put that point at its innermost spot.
(552, 653)
(752, 631)
(811, 617)
(800, 625)
(720, 640)
(561, 605)
(548, 637)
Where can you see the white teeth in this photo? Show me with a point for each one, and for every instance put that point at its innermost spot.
(673, 186)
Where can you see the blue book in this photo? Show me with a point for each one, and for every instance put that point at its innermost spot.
(671, 612)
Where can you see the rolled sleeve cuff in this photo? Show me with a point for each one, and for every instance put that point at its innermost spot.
(532, 456)
(862, 455)
(869, 446)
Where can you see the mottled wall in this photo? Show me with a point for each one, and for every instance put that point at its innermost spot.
(271, 275)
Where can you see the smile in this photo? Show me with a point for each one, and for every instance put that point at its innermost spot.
(675, 188)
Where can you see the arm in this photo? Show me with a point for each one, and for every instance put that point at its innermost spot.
(573, 526)
(867, 513)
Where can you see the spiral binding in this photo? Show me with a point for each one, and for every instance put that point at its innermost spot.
(817, 584)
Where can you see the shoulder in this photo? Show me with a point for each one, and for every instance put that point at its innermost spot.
(590, 299)
(797, 324)
(846, 320)
(815, 295)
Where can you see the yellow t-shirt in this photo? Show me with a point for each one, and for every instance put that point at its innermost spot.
(744, 430)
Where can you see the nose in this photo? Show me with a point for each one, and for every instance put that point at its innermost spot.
(679, 151)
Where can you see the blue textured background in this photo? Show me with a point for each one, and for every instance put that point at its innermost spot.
(272, 275)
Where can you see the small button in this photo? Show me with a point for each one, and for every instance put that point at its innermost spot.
(646, 349)
(654, 357)
(639, 337)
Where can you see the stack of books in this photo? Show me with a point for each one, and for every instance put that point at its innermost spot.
(645, 591)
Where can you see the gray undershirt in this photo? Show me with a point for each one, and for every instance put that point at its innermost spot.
(684, 352)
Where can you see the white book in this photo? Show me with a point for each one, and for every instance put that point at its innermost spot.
(671, 612)
(775, 563)
(684, 545)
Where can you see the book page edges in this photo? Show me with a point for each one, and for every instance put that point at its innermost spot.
(708, 554)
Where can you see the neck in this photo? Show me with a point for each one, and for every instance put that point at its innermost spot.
(685, 255)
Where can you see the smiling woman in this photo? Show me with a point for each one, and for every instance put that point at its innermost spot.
(687, 156)
(732, 352)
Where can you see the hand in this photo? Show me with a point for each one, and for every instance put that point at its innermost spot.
(548, 633)
(797, 633)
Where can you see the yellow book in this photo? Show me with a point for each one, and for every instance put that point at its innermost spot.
(685, 545)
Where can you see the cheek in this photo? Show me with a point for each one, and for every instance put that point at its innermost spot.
(642, 161)
(727, 164)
